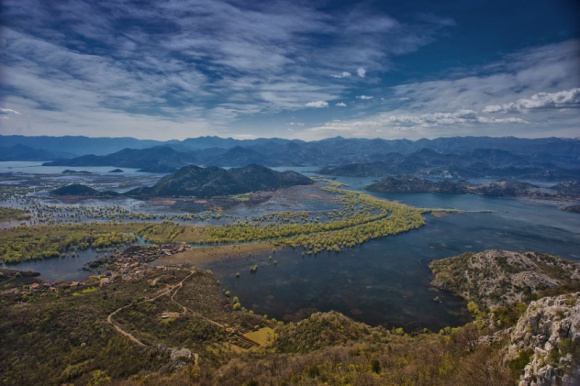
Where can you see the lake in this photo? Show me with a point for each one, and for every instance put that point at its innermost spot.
(35, 167)
(385, 281)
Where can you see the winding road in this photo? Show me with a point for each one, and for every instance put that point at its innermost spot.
(175, 289)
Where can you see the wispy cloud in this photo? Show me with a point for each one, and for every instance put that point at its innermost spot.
(317, 104)
(8, 111)
(182, 68)
(464, 101)
(227, 59)
(344, 74)
(543, 100)
(411, 126)
(544, 69)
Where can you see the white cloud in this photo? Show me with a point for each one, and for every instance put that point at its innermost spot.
(317, 104)
(544, 69)
(542, 100)
(166, 76)
(442, 118)
(267, 59)
(364, 97)
(296, 124)
(341, 104)
(413, 126)
(343, 74)
(244, 136)
(8, 111)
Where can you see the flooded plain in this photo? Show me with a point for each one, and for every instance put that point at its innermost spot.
(384, 281)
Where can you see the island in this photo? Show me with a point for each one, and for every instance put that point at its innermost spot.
(502, 188)
(213, 181)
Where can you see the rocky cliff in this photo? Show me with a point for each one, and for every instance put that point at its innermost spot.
(549, 335)
(497, 278)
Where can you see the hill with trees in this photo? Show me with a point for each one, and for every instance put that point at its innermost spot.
(503, 188)
(213, 181)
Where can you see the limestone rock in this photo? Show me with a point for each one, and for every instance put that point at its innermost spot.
(550, 332)
(498, 278)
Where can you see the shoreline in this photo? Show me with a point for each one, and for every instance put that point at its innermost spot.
(207, 254)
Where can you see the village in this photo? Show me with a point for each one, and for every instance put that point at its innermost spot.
(132, 262)
(127, 265)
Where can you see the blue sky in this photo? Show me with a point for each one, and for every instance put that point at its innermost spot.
(175, 69)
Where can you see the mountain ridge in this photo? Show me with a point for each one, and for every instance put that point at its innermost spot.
(569, 147)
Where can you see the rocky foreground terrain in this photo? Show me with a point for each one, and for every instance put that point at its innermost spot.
(548, 334)
(500, 284)
(174, 325)
(498, 278)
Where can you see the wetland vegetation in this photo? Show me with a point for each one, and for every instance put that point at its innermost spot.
(361, 218)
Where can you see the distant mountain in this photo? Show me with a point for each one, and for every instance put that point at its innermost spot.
(213, 181)
(159, 159)
(240, 156)
(479, 163)
(26, 153)
(79, 145)
(560, 152)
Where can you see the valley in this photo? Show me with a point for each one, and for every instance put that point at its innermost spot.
(207, 285)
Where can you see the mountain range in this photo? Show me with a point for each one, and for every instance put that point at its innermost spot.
(457, 157)
(338, 147)
(478, 163)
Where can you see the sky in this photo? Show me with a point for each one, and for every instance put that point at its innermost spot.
(309, 70)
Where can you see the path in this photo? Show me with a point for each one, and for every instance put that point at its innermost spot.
(175, 288)
(128, 334)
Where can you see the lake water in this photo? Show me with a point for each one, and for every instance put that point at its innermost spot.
(60, 268)
(384, 281)
(35, 167)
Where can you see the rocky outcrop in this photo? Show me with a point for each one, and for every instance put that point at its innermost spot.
(497, 278)
(549, 333)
